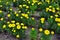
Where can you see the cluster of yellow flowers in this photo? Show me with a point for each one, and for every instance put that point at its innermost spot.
(46, 32)
(42, 20)
(25, 15)
(52, 9)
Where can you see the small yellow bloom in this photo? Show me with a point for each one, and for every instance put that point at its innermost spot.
(58, 8)
(52, 32)
(27, 6)
(39, 3)
(7, 3)
(32, 3)
(33, 18)
(17, 15)
(21, 17)
(51, 16)
(42, 20)
(4, 26)
(25, 27)
(0, 11)
(14, 0)
(50, 9)
(33, 28)
(10, 25)
(19, 11)
(12, 21)
(29, 2)
(24, 5)
(1, 19)
(58, 24)
(46, 32)
(17, 36)
(13, 25)
(22, 23)
(8, 22)
(57, 19)
(50, 6)
(40, 29)
(47, 9)
(14, 30)
(18, 27)
(20, 6)
(56, 15)
(8, 15)
(17, 23)
(10, 9)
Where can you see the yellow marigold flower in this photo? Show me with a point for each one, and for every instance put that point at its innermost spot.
(15, 12)
(58, 24)
(12, 21)
(51, 16)
(14, 0)
(18, 27)
(48, 1)
(33, 28)
(40, 29)
(20, 6)
(42, 19)
(53, 10)
(17, 15)
(28, 12)
(1, 19)
(17, 23)
(8, 22)
(19, 11)
(7, 3)
(29, 2)
(4, 26)
(17, 36)
(39, 3)
(10, 25)
(57, 19)
(13, 25)
(26, 15)
(22, 23)
(23, 14)
(47, 9)
(50, 6)
(0, 11)
(25, 27)
(10, 9)
(8, 15)
(33, 18)
(27, 6)
(52, 32)
(46, 32)
(50, 9)
(32, 3)
(58, 8)
(56, 15)
(14, 30)
(24, 5)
